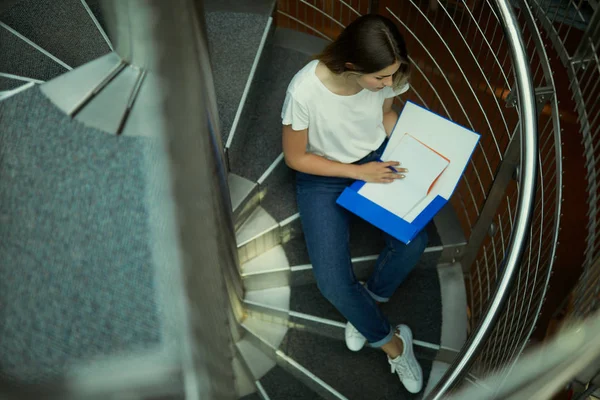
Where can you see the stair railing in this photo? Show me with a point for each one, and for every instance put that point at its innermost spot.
(522, 221)
(574, 30)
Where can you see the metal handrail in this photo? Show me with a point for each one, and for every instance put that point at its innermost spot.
(521, 227)
(542, 372)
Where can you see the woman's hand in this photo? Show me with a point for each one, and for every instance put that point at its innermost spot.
(380, 172)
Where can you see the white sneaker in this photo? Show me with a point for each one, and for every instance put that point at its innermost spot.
(354, 339)
(405, 365)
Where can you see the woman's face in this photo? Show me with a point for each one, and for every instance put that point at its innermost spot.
(380, 79)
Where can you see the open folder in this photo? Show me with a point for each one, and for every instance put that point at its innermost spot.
(435, 151)
(425, 166)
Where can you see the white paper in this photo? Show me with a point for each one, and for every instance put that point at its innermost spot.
(401, 196)
(450, 139)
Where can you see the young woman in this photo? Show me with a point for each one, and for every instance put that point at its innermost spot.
(337, 117)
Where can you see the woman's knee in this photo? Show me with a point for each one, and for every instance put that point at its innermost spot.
(333, 289)
(417, 245)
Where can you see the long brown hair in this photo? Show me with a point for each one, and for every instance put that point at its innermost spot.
(371, 43)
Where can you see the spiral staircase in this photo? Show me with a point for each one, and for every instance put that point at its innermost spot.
(81, 233)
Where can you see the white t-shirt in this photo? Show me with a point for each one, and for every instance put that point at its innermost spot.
(340, 128)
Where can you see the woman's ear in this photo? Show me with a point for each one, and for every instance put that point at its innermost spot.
(350, 66)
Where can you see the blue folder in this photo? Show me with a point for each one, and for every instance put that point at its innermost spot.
(387, 221)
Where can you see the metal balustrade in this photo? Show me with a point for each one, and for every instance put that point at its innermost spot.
(573, 28)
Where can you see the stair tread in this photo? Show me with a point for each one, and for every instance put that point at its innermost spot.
(253, 396)
(279, 384)
(239, 189)
(417, 303)
(300, 41)
(63, 28)
(257, 223)
(9, 84)
(92, 238)
(356, 375)
(258, 139)
(19, 58)
(96, 9)
(365, 240)
(280, 196)
(234, 39)
(246, 6)
(366, 374)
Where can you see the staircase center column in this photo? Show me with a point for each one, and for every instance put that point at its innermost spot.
(167, 40)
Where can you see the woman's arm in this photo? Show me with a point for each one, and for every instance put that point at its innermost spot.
(389, 116)
(296, 157)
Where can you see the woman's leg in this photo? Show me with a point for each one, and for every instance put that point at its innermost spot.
(394, 264)
(326, 231)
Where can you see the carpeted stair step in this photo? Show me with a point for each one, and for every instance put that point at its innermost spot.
(279, 384)
(62, 27)
(96, 9)
(417, 303)
(9, 84)
(253, 396)
(245, 198)
(246, 6)
(279, 190)
(21, 59)
(235, 42)
(76, 265)
(365, 374)
(257, 143)
(356, 375)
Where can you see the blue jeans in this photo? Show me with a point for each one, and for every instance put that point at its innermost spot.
(326, 230)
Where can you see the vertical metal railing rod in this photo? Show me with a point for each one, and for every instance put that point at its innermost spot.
(585, 47)
(373, 6)
(502, 179)
(521, 228)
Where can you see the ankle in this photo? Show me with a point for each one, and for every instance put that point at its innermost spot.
(394, 347)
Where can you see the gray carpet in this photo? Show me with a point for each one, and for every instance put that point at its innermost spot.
(365, 375)
(358, 376)
(246, 6)
(19, 58)
(233, 40)
(62, 27)
(280, 187)
(258, 143)
(280, 385)
(94, 5)
(76, 276)
(8, 84)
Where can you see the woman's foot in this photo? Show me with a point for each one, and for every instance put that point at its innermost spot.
(354, 339)
(405, 364)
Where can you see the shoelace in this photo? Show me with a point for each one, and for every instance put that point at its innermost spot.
(402, 368)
